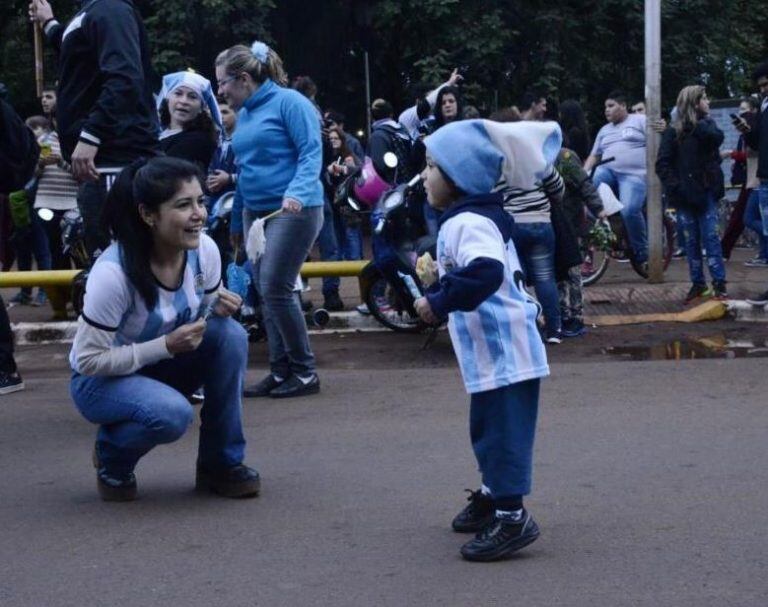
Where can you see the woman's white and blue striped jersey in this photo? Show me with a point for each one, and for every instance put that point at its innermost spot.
(113, 304)
(497, 343)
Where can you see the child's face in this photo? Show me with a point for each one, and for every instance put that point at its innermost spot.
(228, 117)
(39, 132)
(440, 194)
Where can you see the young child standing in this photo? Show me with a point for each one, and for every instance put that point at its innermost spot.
(492, 320)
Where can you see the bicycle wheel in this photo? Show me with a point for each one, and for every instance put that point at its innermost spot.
(594, 265)
(382, 301)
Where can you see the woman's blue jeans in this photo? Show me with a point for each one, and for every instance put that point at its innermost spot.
(289, 239)
(756, 219)
(701, 231)
(137, 412)
(350, 238)
(535, 244)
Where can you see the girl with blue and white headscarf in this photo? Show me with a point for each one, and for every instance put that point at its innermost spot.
(190, 118)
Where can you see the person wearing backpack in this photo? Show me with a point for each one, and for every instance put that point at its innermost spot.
(688, 166)
(387, 135)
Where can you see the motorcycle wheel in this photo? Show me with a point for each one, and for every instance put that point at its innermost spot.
(384, 308)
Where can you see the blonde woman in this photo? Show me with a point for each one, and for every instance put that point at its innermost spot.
(279, 151)
(689, 168)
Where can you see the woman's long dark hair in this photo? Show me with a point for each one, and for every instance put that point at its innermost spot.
(151, 183)
(572, 116)
(439, 118)
(203, 122)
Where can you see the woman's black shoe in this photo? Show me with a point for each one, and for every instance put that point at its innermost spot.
(112, 488)
(293, 387)
(237, 481)
(262, 388)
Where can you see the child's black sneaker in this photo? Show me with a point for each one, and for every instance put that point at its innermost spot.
(476, 515)
(720, 292)
(236, 481)
(501, 538)
(697, 290)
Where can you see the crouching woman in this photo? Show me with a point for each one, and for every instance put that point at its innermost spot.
(156, 327)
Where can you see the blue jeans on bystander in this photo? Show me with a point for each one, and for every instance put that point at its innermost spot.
(701, 231)
(535, 245)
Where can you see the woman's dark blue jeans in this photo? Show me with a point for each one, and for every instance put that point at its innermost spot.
(535, 244)
(700, 230)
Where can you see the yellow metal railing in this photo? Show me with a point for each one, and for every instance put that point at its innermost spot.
(57, 283)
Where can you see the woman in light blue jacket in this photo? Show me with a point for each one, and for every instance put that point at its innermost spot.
(278, 148)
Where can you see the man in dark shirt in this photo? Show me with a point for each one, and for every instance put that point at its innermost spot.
(106, 114)
(18, 160)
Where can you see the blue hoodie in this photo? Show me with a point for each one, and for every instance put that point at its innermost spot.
(279, 152)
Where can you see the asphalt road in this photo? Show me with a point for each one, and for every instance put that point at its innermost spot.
(650, 479)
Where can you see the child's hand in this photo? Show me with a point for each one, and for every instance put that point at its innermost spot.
(424, 310)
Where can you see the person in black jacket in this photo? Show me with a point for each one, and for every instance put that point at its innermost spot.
(18, 159)
(688, 166)
(105, 112)
(757, 139)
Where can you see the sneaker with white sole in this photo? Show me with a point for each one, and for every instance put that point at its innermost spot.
(10, 382)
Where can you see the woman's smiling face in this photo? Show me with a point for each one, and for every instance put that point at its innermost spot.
(177, 223)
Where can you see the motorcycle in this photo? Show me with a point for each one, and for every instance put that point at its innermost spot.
(389, 284)
(73, 245)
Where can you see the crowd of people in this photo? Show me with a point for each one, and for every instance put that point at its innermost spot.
(144, 168)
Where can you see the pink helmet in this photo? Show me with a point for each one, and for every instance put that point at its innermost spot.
(368, 185)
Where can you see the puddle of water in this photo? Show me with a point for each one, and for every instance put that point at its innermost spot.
(718, 346)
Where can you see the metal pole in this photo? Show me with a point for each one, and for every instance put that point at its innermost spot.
(367, 95)
(653, 111)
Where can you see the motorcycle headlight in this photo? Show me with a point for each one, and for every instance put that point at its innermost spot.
(393, 200)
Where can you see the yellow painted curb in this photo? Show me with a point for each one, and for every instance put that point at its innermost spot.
(709, 310)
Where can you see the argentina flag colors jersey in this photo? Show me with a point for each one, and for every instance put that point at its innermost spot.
(498, 343)
(113, 304)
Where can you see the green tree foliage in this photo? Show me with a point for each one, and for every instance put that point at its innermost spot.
(564, 48)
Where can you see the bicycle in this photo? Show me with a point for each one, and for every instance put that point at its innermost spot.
(607, 238)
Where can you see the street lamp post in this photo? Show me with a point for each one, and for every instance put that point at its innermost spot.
(653, 111)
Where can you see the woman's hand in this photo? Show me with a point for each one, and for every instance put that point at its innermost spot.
(227, 303)
(291, 205)
(186, 338)
(424, 310)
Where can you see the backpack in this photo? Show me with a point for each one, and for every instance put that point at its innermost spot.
(401, 145)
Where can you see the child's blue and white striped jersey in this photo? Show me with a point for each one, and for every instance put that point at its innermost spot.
(497, 343)
(113, 304)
